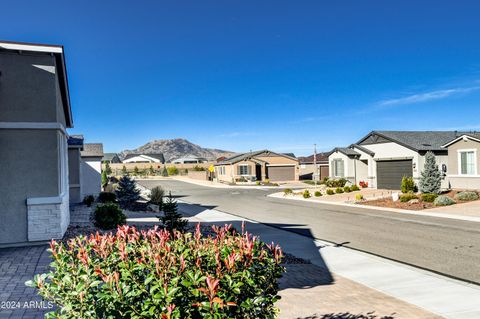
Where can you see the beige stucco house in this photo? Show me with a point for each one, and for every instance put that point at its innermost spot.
(464, 161)
(258, 166)
(382, 158)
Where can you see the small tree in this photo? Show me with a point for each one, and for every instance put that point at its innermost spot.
(172, 219)
(136, 172)
(127, 192)
(164, 171)
(151, 171)
(108, 169)
(431, 177)
(124, 170)
(104, 179)
(408, 185)
(156, 196)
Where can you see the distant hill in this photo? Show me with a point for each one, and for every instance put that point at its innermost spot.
(175, 148)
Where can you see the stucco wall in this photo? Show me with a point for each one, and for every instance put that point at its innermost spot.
(347, 166)
(90, 176)
(27, 93)
(29, 167)
(453, 149)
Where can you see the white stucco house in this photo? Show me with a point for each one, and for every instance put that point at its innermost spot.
(91, 169)
(144, 158)
(382, 158)
(189, 159)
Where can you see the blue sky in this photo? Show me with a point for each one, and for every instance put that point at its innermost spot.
(241, 75)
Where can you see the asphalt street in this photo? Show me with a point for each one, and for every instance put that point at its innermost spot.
(447, 246)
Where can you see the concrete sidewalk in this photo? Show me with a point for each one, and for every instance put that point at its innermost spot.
(408, 292)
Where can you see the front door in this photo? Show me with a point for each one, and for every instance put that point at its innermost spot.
(258, 172)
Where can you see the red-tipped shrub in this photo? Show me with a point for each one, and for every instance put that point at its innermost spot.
(154, 274)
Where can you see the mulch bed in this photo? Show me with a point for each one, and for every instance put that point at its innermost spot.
(389, 203)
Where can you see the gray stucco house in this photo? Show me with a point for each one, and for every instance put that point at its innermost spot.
(75, 146)
(91, 169)
(34, 115)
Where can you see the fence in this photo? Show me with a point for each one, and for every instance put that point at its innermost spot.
(147, 168)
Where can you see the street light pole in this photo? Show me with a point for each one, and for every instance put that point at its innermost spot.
(315, 164)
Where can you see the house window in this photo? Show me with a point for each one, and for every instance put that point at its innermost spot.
(338, 168)
(467, 162)
(221, 170)
(244, 169)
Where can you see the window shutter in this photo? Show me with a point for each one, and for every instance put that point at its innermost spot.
(249, 170)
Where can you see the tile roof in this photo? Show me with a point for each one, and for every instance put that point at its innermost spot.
(92, 150)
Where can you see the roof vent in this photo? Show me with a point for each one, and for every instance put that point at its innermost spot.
(426, 144)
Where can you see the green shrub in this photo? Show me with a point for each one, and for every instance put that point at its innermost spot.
(107, 197)
(136, 172)
(355, 188)
(407, 197)
(287, 191)
(88, 200)
(347, 189)
(429, 198)
(172, 219)
(443, 201)
(151, 170)
(408, 185)
(124, 170)
(330, 191)
(156, 196)
(154, 274)
(306, 194)
(466, 196)
(358, 197)
(258, 183)
(336, 182)
(127, 192)
(197, 168)
(172, 170)
(318, 193)
(108, 169)
(109, 216)
(339, 190)
(104, 179)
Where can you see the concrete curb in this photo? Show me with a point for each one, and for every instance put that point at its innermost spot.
(387, 209)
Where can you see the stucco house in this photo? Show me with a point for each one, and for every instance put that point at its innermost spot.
(464, 161)
(91, 169)
(34, 115)
(75, 146)
(307, 166)
(189, 159)
(382, 158)
(144, 158)
(258, 165)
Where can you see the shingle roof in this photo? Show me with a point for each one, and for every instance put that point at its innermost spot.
(75, 140)
(92, 150)
(345, 150)
(419, 140)
(363, 149)
(243, 156)
(109, 156)
(321, 157)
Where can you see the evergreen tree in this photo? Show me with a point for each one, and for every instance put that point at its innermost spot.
(172, 219)
(135, 171)
(104, 179)
(164, 171)
(127, 192)
(151, 170)
(108, 169)
(124, 170)
(431, 177)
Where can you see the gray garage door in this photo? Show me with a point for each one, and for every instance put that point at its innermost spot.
(390, 173)
(281, 173)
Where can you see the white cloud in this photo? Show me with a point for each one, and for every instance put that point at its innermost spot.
(427, 96)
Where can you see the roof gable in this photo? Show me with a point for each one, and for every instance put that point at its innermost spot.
(471, 137)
